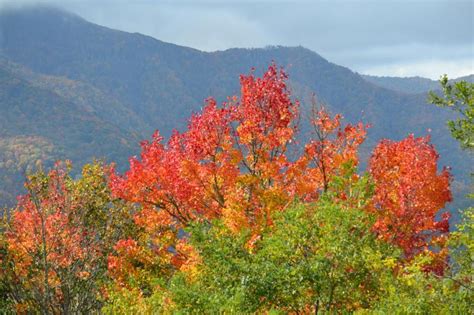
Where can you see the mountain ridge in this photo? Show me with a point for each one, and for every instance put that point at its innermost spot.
(411, 85)
(158, 85)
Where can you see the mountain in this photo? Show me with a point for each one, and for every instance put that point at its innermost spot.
(88, 90)
(411, 85)
(53, 118)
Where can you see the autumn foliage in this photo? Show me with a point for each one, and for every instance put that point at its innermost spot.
(409, 193)
(233, 162)
(238, 165)
(48, 243)
(58, 238)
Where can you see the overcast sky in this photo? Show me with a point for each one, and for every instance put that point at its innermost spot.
(381, 37)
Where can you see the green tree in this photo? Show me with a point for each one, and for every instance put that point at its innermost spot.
(414, 291)
(318, 257)
(459, 96)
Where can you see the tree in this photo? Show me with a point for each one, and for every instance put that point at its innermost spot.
(196, 176)
(232, 163)
(414, 291)
(57, 240)
(459, 96)
(228, 216)
(409, 193)
(319, 257)
(330, 148)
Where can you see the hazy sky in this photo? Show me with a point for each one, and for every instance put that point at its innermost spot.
(382, 37)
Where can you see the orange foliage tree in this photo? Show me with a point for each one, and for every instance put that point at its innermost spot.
(47, 245)
(330, 148)
(55, 243)
(233, 163)
(409, 193)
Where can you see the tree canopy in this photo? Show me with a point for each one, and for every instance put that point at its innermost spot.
(235, 215)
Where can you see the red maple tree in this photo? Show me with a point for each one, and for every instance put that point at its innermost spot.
(409, 193)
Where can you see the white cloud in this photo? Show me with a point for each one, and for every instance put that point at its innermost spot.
(432, 69)
(411, 59)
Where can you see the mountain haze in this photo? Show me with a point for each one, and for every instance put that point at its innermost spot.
(91, 91)
(411, 85)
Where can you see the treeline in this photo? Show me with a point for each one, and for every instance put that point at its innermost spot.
(234, 215)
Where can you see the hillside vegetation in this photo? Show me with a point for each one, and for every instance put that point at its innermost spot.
(227, 217)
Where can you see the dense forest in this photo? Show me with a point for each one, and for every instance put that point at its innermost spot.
(237, 214)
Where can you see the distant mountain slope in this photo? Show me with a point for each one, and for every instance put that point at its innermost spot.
(66, 128)
(108, 87)
(19, 155)
(141, 72)
(28, 108)
(85, 96)
(410, 85)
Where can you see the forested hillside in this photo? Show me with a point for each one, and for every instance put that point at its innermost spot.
(91, 91)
